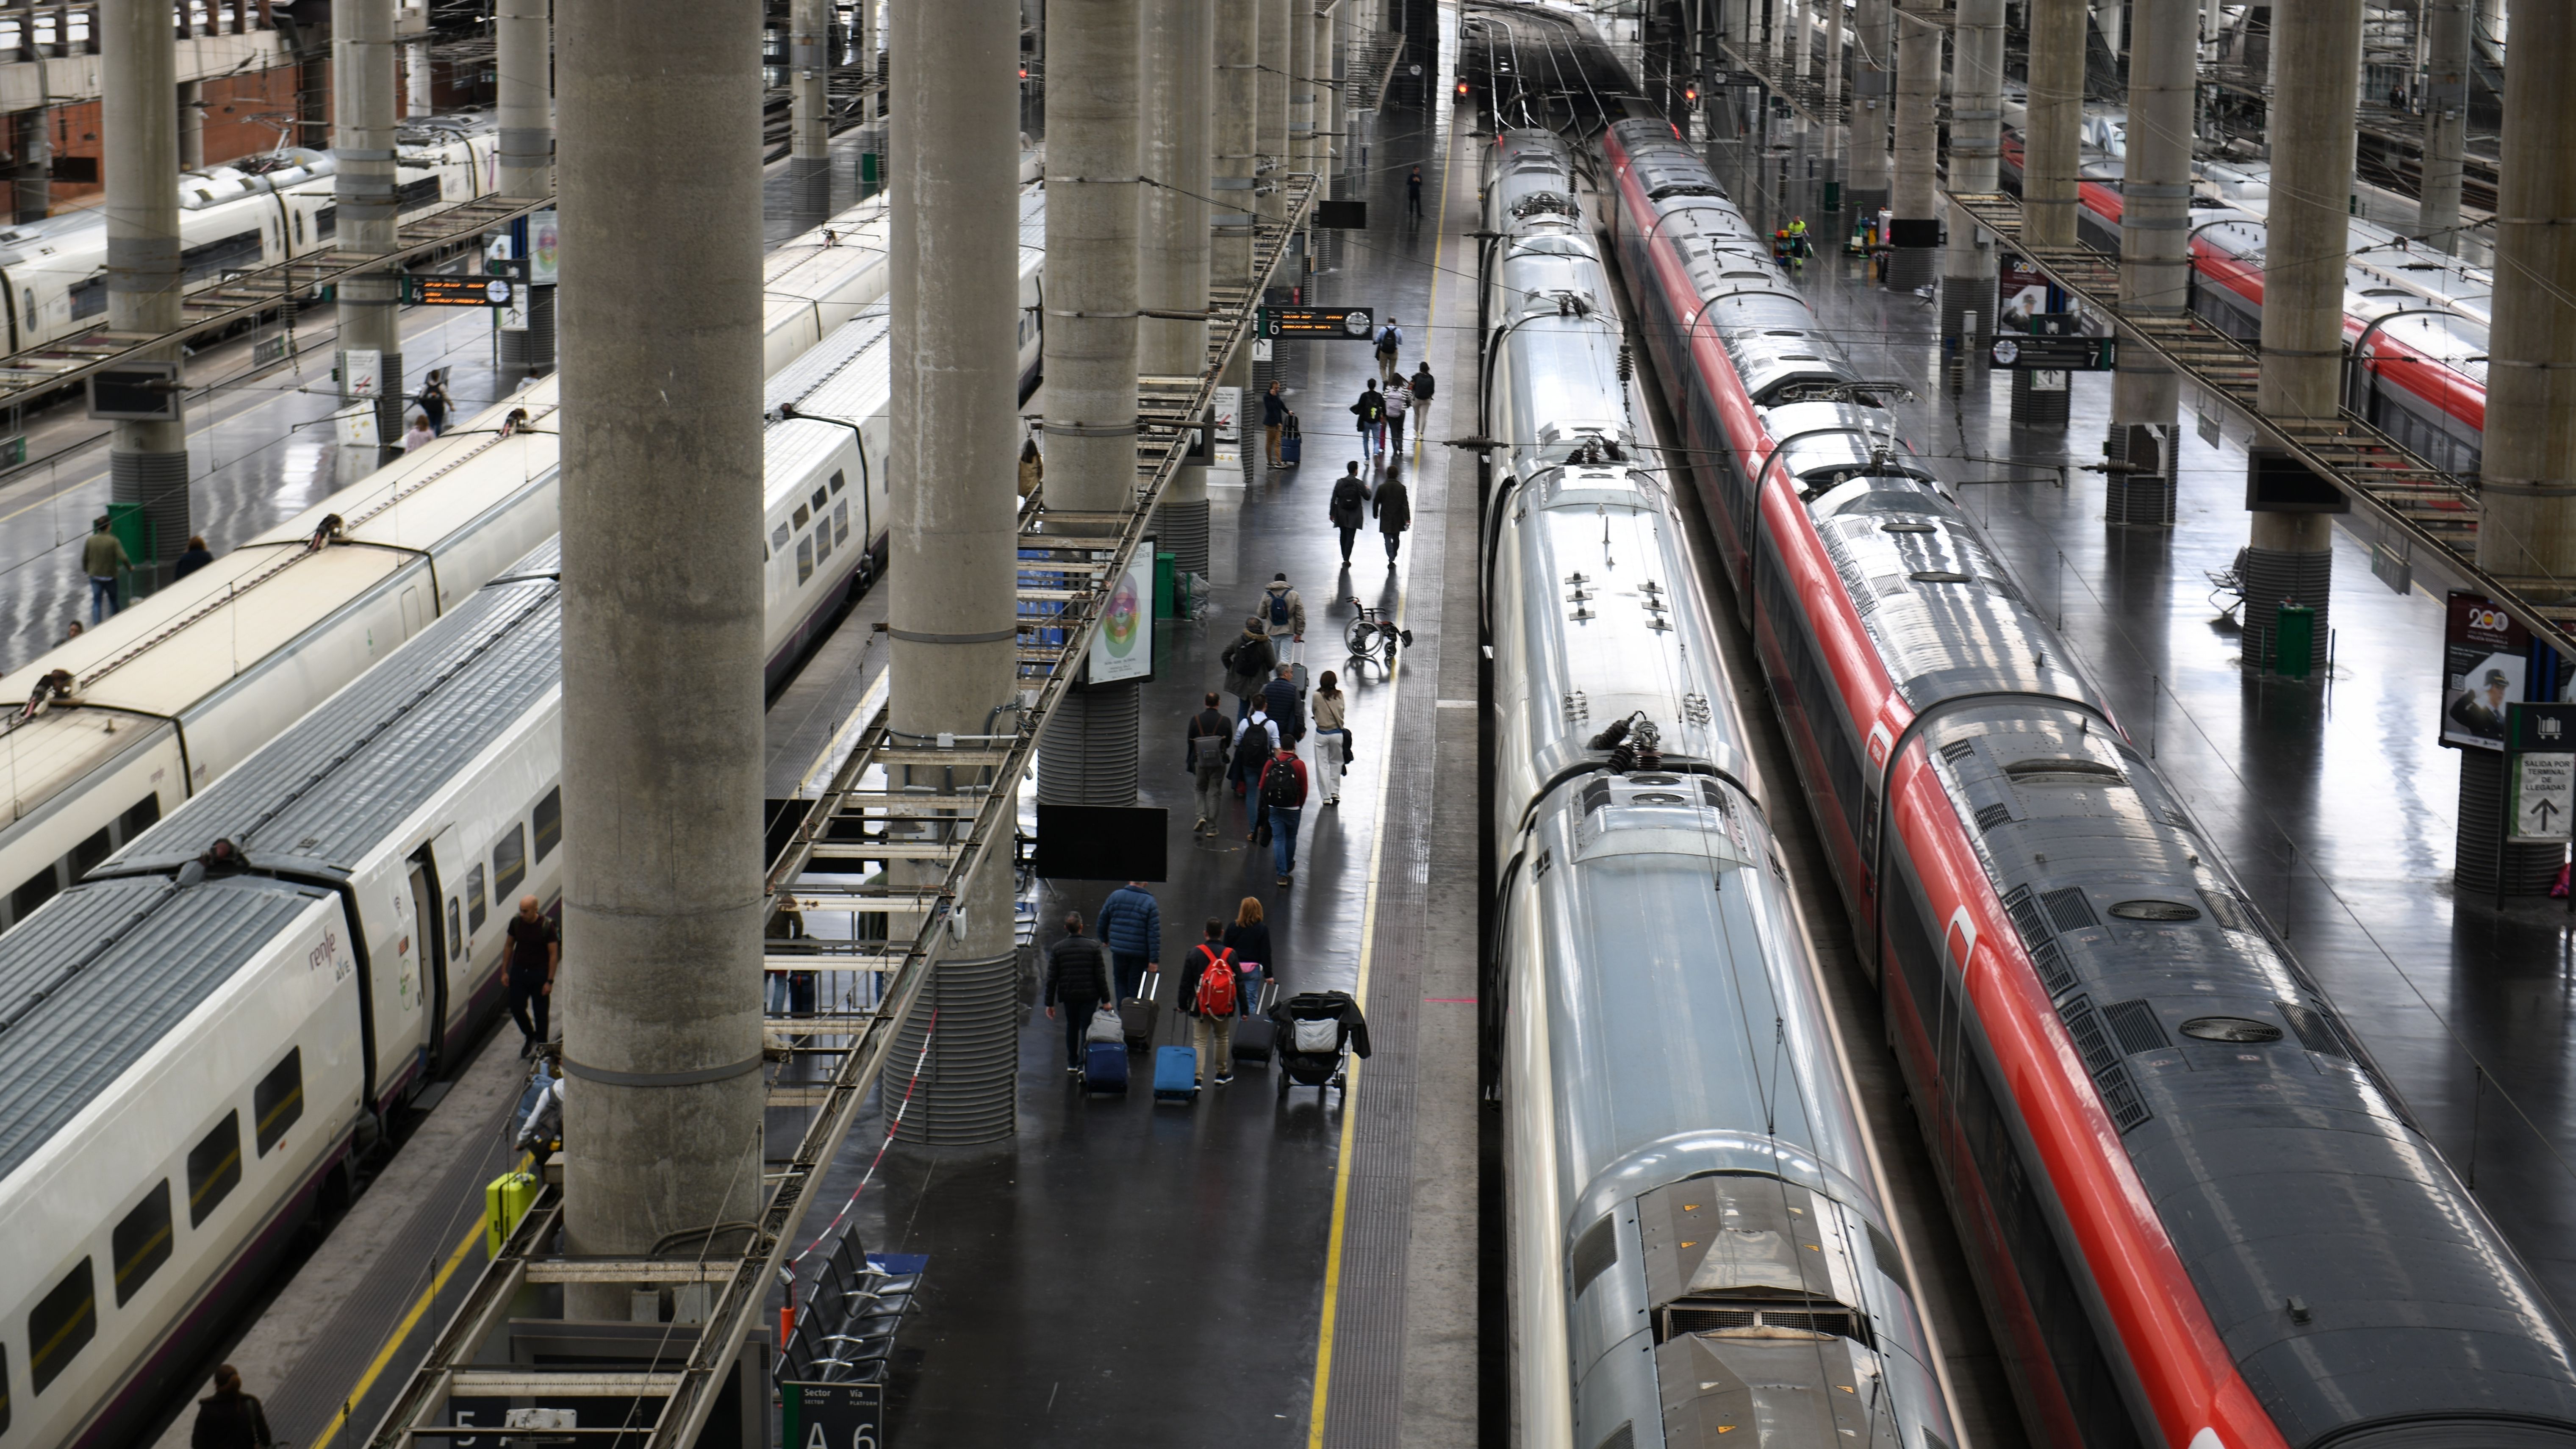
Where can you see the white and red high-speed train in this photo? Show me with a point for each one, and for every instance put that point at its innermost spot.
(2198, 1216)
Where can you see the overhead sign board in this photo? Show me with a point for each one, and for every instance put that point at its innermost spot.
(1320, 324)
(2486, 656)
(2054, 354)
(831, 1416)
(433, 289)
(2542, 781)
(142, 392)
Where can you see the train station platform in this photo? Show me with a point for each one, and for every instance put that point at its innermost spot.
(2332, 800)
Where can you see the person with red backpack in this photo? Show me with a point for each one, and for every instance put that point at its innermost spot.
(1210, 991)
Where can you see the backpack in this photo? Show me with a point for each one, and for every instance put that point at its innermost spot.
(1279, 606)
(1208, 733)
(1251, 745)
(1279, 786)
(1216, 990)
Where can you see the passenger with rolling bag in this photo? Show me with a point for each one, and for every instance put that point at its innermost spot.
(1248, 938)
(1080, 982)
(1211, 987)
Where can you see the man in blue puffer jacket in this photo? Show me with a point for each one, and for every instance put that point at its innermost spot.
(1131, 925)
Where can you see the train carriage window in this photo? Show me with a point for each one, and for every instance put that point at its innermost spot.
(89, 298)
(509, 862)
(90, 852)
(455, 932)
(804, 557)
(32, 892)
(839, 481)
(803, 516)
(141, 1243)
(820, 499)
(778, 540)
(841, 523)
(474, 897)
(278, 1100)
(299, 228)
(823, 541)
(549, 822)
(61, 1324)
(214, 1168)
(140, 816)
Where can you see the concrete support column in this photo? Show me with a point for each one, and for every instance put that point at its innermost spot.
(1172, 240)
(362, 144)
(1088, 756)
(2050, 143)
(2446, 119)
(660, 991)
(523, 70)
(419, 96)
(1301, 89)
(955, 435)
(1976, 128)
(2317, 50)
(1270, 104)
(139, 61)
(809, 72)
(2155, 262)
(1236, 140)
(2528, 471)
(1799, 34)
(1838, 137)
(1873, 102)
(192, 125)
(1915, 229)
(32, 186)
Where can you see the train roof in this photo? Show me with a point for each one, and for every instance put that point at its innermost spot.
(104, 971)
(318, 798)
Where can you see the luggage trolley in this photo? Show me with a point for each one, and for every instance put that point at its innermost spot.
(1317, 1032)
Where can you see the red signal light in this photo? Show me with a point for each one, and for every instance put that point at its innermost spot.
(1462, 88)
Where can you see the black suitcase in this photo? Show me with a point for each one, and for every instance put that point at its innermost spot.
(1256, 1036)
(1136, 1015)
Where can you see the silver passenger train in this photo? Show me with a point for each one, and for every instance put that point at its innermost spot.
(1698, 1242)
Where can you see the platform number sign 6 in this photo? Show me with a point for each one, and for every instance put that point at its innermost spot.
(834, 1416)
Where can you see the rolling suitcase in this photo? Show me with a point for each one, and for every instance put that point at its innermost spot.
(1104, 1068)
(1176, 1075)
(1256, 1036)
(1136, 1014)
(1292, 443)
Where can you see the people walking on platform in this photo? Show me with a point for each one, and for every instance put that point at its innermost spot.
(434, 401)
(1349, 506)
(1248, 662)
(1283, 801)
(1390, 342)
(1256, 739)
(1413, 194)
(1078, 980)
(1274, 418)
(1032, 467)
(229, 1418)
(1285, 615)
(1332, 736)
(1210, 743)
(1209, 990)
(1279, 701)
(418, 435)
(1423, 384)
(536, 950)
(1399, 401)
(1394, 509)
(1131, 926)
(102, 554)
(1249, 939)
(1371, 412)
(197, 556)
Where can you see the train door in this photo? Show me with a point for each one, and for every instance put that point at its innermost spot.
(410, 611)
(428, 926)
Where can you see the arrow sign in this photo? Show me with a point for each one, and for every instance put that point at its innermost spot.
(2544, 796)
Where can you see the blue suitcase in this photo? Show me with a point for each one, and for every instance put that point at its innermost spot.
(1176, 1074)
(1292, 446)
(1104, 1068)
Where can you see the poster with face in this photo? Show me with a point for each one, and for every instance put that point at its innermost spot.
(2484, 658)
(2021, 293)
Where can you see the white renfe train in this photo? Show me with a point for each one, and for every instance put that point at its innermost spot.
(253, 213)
(176, 690)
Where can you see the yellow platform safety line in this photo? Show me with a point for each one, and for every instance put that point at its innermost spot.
(1368, 913)
(402, 1331)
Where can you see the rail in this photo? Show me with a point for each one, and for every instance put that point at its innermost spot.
(1061, 618)
(1805, 95)
(2437, 513)
(53, 364)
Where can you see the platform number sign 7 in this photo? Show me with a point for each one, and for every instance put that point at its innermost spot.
(832, 1416)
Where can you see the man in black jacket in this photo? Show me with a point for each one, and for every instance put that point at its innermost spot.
(1394, 509)
(1348, 507)
(1078, 981)
(1279, 701)
(1210, 742)
(1423, 386)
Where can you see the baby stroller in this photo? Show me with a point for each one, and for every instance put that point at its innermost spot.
(1316, 1030)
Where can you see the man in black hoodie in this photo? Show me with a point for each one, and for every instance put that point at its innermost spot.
(1349, 507)
(1077, 981)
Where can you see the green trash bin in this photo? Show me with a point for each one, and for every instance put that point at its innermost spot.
(1167, 602)
(2294, 640)
(126, 521)
(1833, 197)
